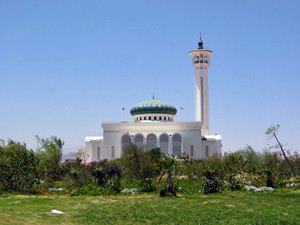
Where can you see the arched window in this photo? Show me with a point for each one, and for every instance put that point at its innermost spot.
(205, 59)
(192, 151)
(164, 143)
(154, 117)
(176, 144)
(125, 140)
(113, 153)
(139, 140)
(201, 58)
(151, 141)
(149, 118)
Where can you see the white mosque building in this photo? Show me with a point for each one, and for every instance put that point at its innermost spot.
(153, 124)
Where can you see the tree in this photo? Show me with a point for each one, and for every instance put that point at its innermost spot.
(140, 165)
(18, 168)
(251, 159)
(49, 154)
(234, 164)
(272, 131)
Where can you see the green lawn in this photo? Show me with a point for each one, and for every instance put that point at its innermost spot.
(228, 208)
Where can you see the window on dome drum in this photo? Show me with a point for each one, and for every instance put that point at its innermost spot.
(145, 117)
(192, 151)
(176, 144)
(113, 154)
(98, 153)
(140, 118)
(151, 142)
(165, 118)
(164, 143)
(160, 118)
(206, 151)
(139, 140)
(154, 117)
(149, 118)
(125, 140)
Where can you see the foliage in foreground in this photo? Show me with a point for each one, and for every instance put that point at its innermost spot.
(22, 170)
(238, 208)
(18, 168)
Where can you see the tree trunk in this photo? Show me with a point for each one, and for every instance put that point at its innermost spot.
(284, 155)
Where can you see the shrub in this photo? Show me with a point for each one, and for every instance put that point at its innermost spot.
(212, 175)
(187, 186)
(18, 168)
(211, 183)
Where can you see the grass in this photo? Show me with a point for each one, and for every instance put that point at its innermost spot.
(227, 208)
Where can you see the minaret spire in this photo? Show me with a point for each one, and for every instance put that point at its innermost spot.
(200, 43)
(153, 95)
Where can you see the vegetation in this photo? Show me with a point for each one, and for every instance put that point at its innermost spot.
(230, 208)
(23, 170)
(42, 172)
(18, 168)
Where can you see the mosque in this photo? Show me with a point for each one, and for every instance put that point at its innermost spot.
(154, 124)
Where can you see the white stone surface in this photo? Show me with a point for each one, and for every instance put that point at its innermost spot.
(258, 189)
(56, 212)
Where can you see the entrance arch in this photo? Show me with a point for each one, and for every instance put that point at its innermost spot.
(164, 143)
(176, 144)
(151, 142)
(139, 140)
(125, 141)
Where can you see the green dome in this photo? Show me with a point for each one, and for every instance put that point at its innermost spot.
(153, 106)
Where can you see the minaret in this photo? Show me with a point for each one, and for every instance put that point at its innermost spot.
(201, 61)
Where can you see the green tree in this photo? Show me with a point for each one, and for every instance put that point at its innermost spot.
(140, 165)
(18, 167)
(234, 165)
(251, 159)
(49, 154)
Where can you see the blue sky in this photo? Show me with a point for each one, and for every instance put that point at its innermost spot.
(67, 66)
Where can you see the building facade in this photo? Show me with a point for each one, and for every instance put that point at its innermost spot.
(153, 124)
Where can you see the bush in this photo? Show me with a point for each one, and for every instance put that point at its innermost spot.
(211, 183)
(147, 185)
(187, 186)
(18, 168)
(212, 175)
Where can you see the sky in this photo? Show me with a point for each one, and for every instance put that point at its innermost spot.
(66, 66)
